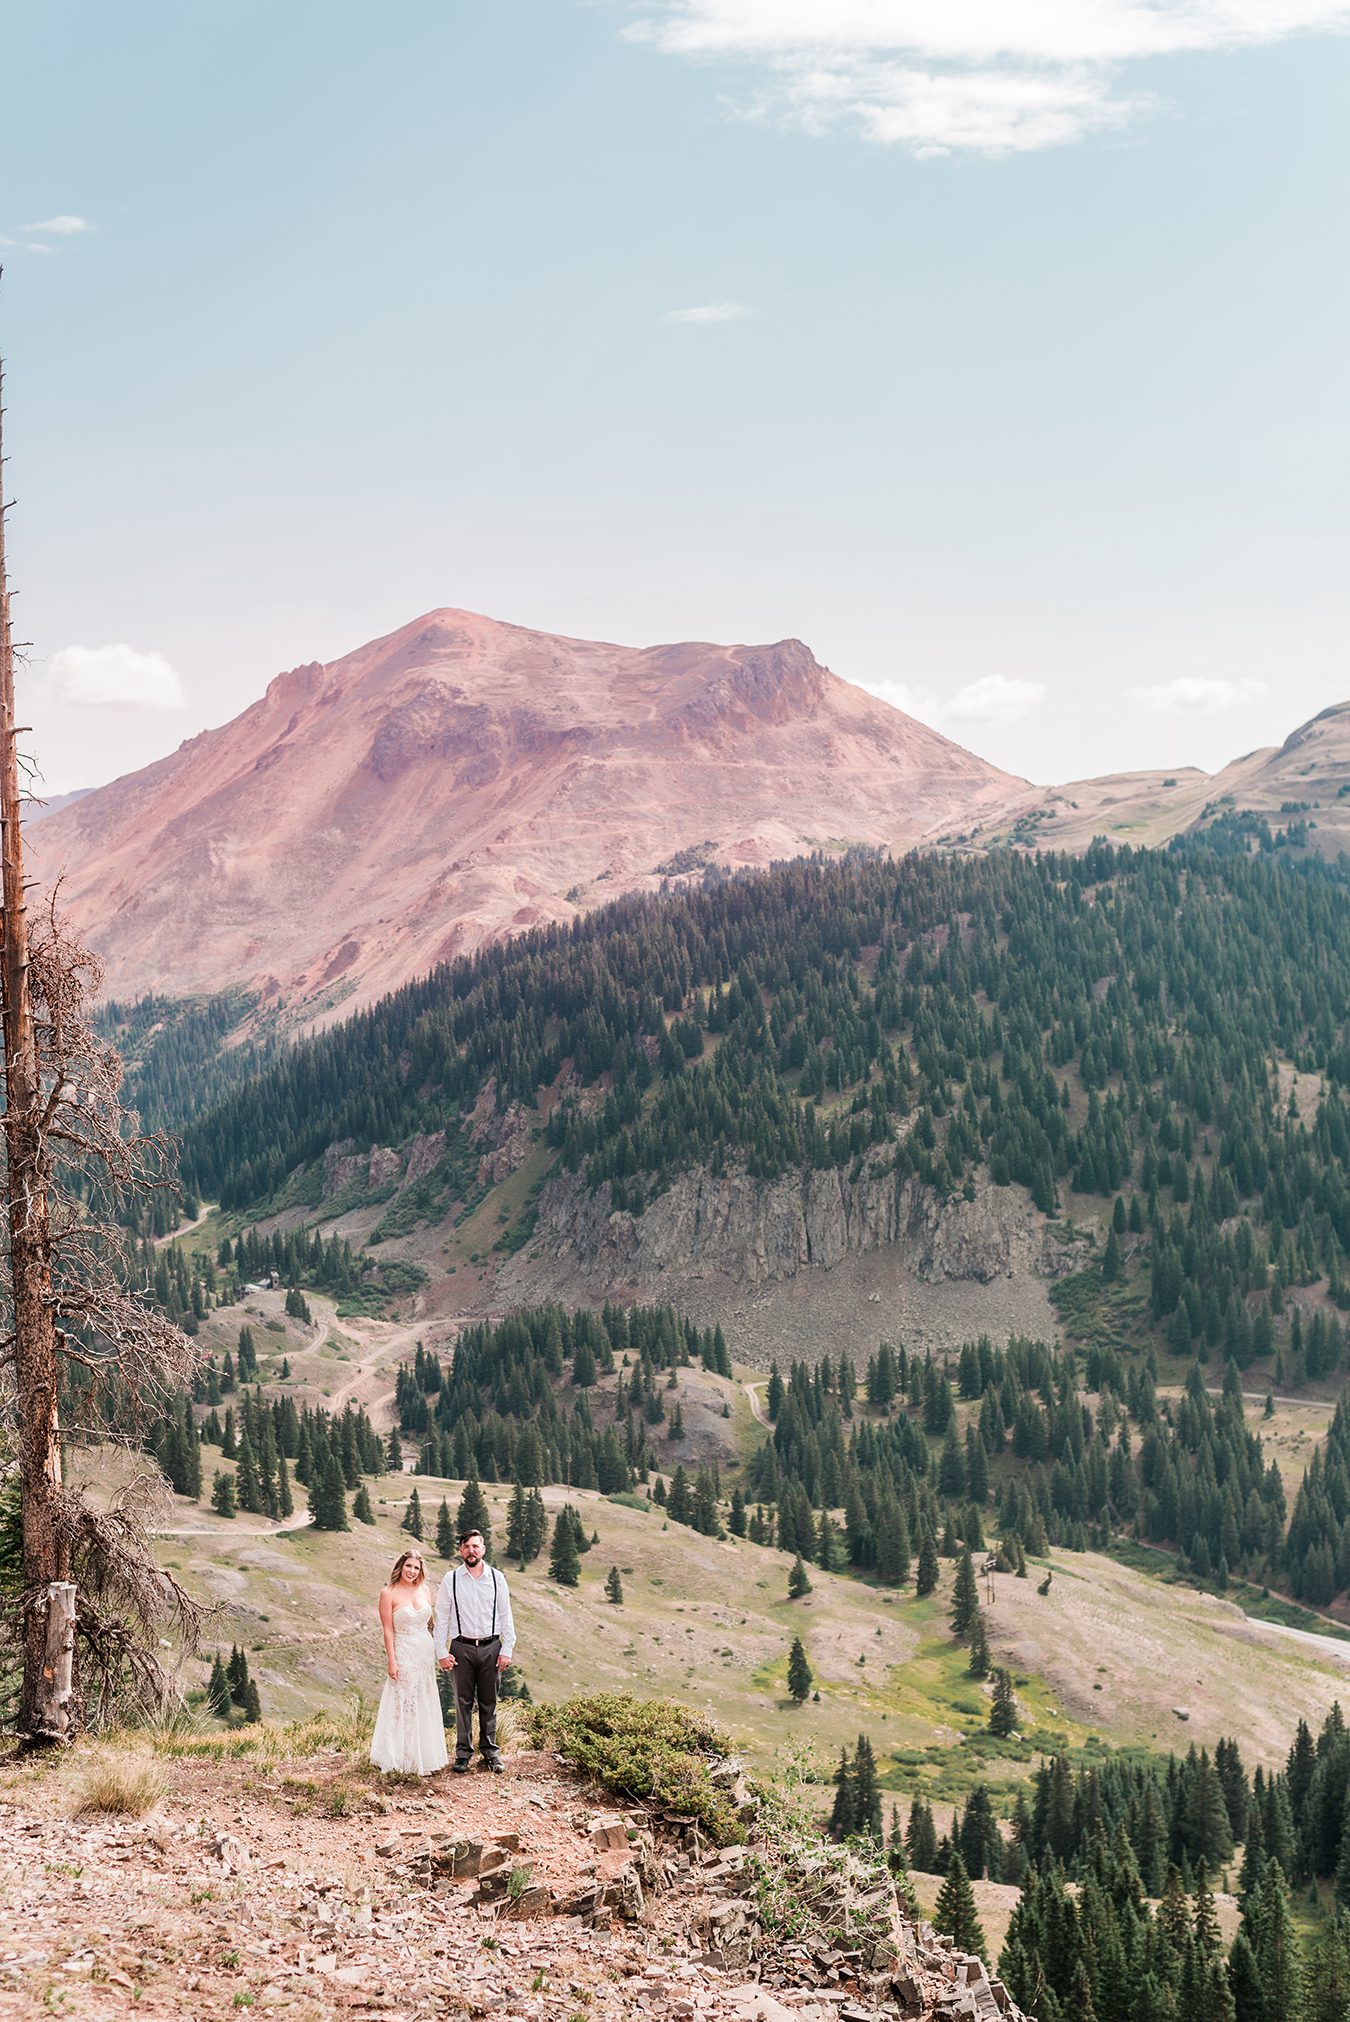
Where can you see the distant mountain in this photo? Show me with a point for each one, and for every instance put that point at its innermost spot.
(52, 803)
(1304, 782)
(462, 779)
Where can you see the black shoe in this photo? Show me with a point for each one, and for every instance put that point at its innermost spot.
(460, 1768)
(496, 1765)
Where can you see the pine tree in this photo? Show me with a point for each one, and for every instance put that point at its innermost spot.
(980, 1659)
(614, 1587)
(955, 1915)
(1328, 1980)
(1274, 1943)
(1244, 1980)
(236, 1673)
(222, 1496)
(361, 1508)
(472, 1514)
(965, 1597)
(1003, 1712)
(328, 1497)
(844, 1813)
(926, 1576)
(1111, 1259)
(536, 1526)
(897, 1863)
(800, 1674)
(978, 1839)
(679, 1502)
(798, 1583)
(866, 1792)
(517, 1524)
(921, 1838)
(412, 1517)
(252, 1703)
(1208, 1836)
(218, 1690)
(446, 1540)
(564, 1565)
(247, 1487)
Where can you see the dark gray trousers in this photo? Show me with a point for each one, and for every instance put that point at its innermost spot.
(475, 1676)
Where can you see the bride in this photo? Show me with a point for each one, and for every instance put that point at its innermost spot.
(409, 1731)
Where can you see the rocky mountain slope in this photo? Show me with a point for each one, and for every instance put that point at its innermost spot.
(290, 1879)
(462, 779)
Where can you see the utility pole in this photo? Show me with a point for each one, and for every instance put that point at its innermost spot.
(46, 1706)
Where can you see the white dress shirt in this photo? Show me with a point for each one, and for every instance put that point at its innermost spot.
(465, 1604)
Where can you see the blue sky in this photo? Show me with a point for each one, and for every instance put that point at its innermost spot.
(1017, 386)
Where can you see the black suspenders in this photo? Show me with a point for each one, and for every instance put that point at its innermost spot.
(454, 1596)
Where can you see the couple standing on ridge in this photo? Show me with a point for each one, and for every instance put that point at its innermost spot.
(474, 1602)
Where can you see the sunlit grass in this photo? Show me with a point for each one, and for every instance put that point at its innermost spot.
(117, 1785)
(345, 1731)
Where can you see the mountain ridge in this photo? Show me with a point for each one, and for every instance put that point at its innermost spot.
(461, 778)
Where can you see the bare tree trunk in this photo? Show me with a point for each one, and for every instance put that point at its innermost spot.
(46, 1708)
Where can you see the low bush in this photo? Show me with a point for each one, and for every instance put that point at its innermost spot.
(645, 1749)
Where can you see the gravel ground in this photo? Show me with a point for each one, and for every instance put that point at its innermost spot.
(240, 1889)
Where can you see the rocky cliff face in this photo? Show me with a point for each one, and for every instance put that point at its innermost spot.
(757, 1232)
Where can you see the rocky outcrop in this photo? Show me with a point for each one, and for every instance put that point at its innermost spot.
(787, 1928)
(501, 1138)
(756, 1232)
(380, 1168)
(854, 1944)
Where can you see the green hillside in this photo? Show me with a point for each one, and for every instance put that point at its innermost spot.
(1156, 1044)
(1152, 1046)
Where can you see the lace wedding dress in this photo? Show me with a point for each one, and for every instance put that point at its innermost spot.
(409, 1732)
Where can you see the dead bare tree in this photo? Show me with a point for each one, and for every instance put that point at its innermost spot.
(80, 1343)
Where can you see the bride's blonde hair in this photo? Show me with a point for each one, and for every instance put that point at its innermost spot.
(401, 1561)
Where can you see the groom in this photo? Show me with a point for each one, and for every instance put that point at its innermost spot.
(474, 1597)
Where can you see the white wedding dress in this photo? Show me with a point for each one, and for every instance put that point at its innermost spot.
(409, 1732)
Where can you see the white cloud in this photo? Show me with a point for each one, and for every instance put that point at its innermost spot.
(989, 76)
(63, 226)
(709, 312)
(911, 696)
(120, 676)
(1196, 695)
(995, 698)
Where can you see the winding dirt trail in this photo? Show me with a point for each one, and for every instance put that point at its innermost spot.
(298, 1522)
(752, 1391)
(383, 1344)
(206, 1209)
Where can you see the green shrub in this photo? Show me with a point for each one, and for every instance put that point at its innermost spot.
(645, 1749)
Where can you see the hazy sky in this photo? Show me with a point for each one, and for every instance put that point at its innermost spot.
(997, 348)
